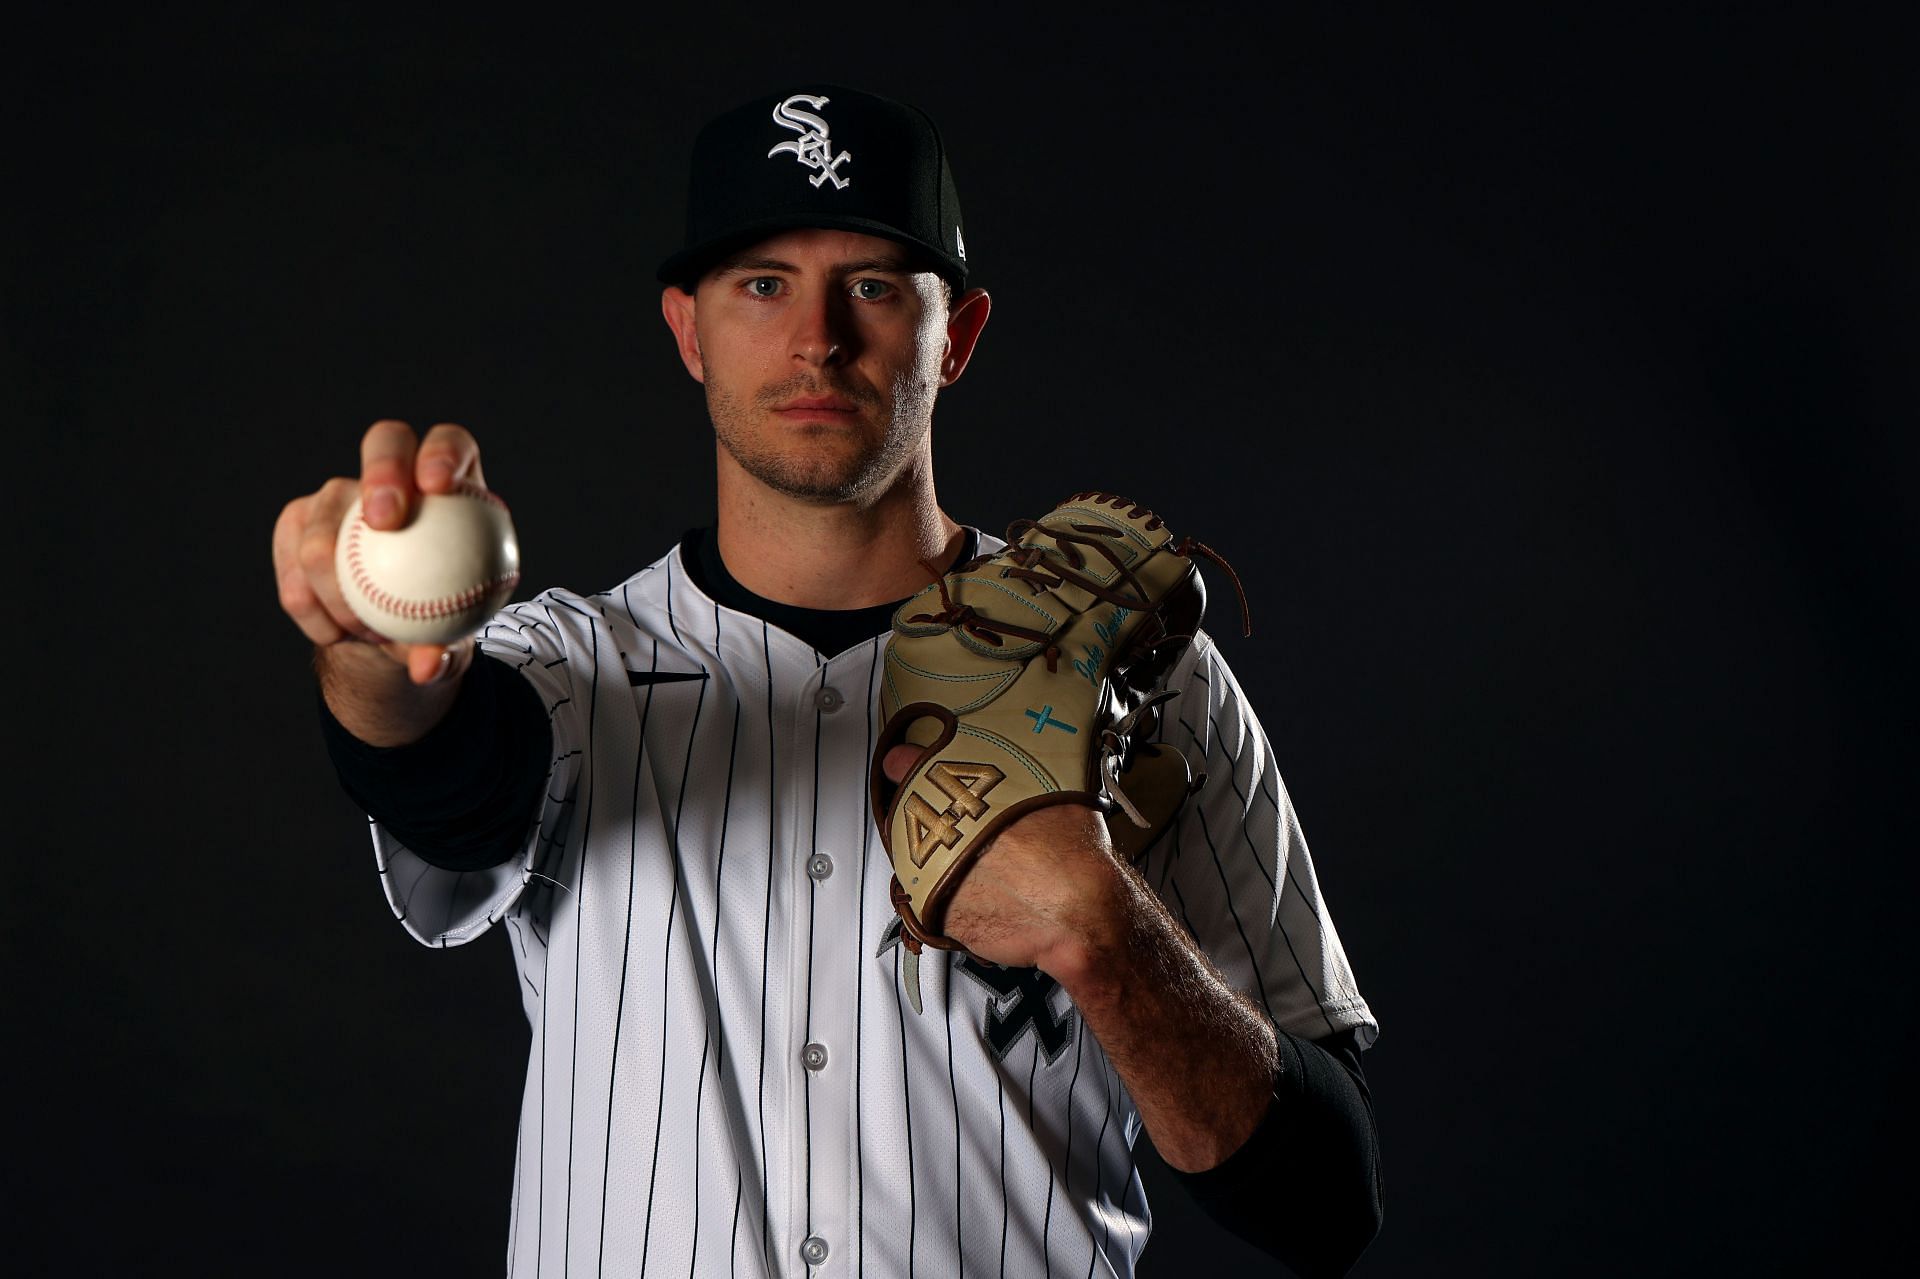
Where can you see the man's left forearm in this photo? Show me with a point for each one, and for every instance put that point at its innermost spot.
(1198, 1058)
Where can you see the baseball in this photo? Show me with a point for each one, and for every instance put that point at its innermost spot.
(438, 579)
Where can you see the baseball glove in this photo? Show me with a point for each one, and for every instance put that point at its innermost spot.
(1032, 676)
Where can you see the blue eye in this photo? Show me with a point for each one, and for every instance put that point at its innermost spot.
(871, 290)
(763, 286)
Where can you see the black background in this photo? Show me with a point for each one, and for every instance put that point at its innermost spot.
(1549, 381)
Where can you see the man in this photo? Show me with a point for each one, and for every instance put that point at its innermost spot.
(661, 791)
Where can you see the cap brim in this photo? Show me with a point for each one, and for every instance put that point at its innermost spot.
(689, 264)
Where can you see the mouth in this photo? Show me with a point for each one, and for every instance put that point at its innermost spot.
(832, 408)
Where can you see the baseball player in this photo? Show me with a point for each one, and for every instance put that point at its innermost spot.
(661, 792)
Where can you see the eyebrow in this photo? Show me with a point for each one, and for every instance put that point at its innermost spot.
(892, 265)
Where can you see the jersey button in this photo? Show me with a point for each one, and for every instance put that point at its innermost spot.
(829, 699)
(814, 1250)
(814, 1057)
(819, 865)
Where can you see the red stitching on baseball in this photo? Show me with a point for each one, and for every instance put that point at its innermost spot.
(431, 609)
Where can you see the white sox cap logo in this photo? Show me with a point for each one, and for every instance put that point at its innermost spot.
(813, 147)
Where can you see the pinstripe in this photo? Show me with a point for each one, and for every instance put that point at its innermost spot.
(626, 955)
(1180, 823)
(1312, 898)
(1136, 1241)
(1305, 980)
(1006, 1204)
(540, 1188)
(1106, 1120)
(579, 939)
(1279, 924)
(859, 991)
(1226, 890)
(666, 972)
(519, 1164)
(1135, 1244)
(733, 1237)
(719, 1065)
(1046, 1223)
(1246, 806)
(1098, 1250)
(953, 1086)
(766, 950)
(1066, 1167)
(906, 1093)
(1307, 896)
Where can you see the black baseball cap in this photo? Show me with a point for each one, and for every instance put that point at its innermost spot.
(821, 155)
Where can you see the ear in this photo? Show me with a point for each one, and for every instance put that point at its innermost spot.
(676, 305)
(964, 321)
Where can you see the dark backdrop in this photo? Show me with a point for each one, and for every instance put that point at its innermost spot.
(1548, 380)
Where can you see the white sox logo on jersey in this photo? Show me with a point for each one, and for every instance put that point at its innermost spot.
(813, 147)
(1018, 1000)
(1021, 999)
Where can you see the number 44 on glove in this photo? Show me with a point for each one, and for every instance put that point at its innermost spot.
(1029, 677)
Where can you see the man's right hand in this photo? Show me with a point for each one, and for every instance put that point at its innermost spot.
(364, 675)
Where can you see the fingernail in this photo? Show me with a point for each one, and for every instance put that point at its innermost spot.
(382, 505)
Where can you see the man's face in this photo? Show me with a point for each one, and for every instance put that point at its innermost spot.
(821, 352)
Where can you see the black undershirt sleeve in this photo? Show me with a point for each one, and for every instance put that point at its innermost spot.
(1305, 1188)
(463, 796)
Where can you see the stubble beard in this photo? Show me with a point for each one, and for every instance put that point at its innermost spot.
(825, 477)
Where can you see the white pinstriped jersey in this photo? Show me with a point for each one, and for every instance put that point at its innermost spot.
(723, 1078)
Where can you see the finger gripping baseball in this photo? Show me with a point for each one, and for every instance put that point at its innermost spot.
(1029, 677)
(439, 578)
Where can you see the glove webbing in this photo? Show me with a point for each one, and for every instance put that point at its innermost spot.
(1026, 559)
(1186, 546)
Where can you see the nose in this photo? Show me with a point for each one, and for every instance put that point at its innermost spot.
(822, 329)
